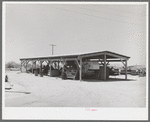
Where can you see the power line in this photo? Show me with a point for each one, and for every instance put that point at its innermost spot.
(126, 11)
(106, 13)
(94, 16)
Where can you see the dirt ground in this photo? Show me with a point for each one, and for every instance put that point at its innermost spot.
(29, 90)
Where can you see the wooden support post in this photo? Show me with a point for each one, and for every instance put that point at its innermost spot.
(32, 66)
(50, 64)
(80, 69)
(40, 66)
(47, 66)
(26, 65)
(58, 65)
(62, 66)
(41, 73)
(35, 64)
(55, 64)
(21, 66)
(126, 69)
(63, 69)
(104, 67)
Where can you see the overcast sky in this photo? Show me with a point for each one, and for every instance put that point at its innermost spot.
(75, 28)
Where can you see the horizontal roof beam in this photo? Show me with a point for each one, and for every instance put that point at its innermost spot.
(91, 55)
(108, 60)
(117, 56)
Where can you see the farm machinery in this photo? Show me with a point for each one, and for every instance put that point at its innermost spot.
(89, 70)
(70, 70)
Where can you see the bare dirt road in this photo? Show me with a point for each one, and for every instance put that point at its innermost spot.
(35, 91)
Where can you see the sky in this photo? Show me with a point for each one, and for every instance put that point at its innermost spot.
(75, 28)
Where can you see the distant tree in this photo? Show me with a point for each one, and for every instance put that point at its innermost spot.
(12, 64)
(9, 65)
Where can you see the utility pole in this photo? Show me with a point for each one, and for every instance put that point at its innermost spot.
(52, 47)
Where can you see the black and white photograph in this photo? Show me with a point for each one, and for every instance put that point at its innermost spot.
(75, 60)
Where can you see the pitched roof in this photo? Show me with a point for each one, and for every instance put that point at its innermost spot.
(92, 55)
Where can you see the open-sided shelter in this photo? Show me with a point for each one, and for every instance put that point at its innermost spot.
(104, 57)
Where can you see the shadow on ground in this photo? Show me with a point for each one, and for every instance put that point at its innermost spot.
(18, 92)
(109, 80)
(7, 88)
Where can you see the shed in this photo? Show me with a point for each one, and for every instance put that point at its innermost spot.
(104, 57)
